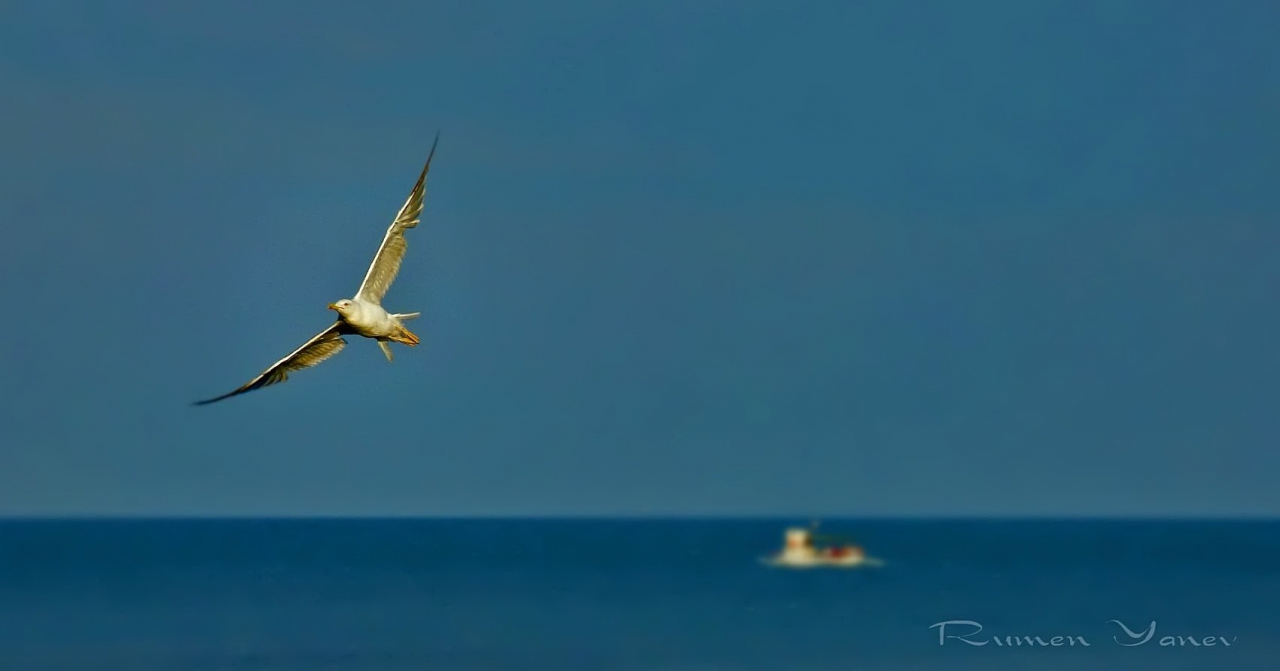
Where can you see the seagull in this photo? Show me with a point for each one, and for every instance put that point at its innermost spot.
(362, 314)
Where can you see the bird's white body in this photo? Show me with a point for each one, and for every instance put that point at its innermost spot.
(368, 319)
(371, 320)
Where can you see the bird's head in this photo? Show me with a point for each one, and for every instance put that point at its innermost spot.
(342, 307)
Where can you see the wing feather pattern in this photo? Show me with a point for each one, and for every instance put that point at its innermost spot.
(319, 348)
(386, 263)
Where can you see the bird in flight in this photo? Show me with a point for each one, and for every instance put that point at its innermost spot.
(362, 314)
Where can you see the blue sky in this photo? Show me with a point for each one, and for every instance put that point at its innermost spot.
(820, 258)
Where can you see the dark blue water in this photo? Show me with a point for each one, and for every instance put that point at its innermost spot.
(681, 595)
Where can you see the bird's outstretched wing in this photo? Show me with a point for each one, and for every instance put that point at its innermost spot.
(386, 263)
(324, 345)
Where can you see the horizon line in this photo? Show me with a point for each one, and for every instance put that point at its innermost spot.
(641, 517)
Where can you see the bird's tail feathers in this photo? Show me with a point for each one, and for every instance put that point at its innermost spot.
(407, 316)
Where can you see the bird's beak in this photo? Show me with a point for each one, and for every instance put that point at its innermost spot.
(332, 306)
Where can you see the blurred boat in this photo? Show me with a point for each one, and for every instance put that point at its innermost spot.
(803, 548)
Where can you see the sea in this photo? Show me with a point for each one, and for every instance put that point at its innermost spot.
(635, 594)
